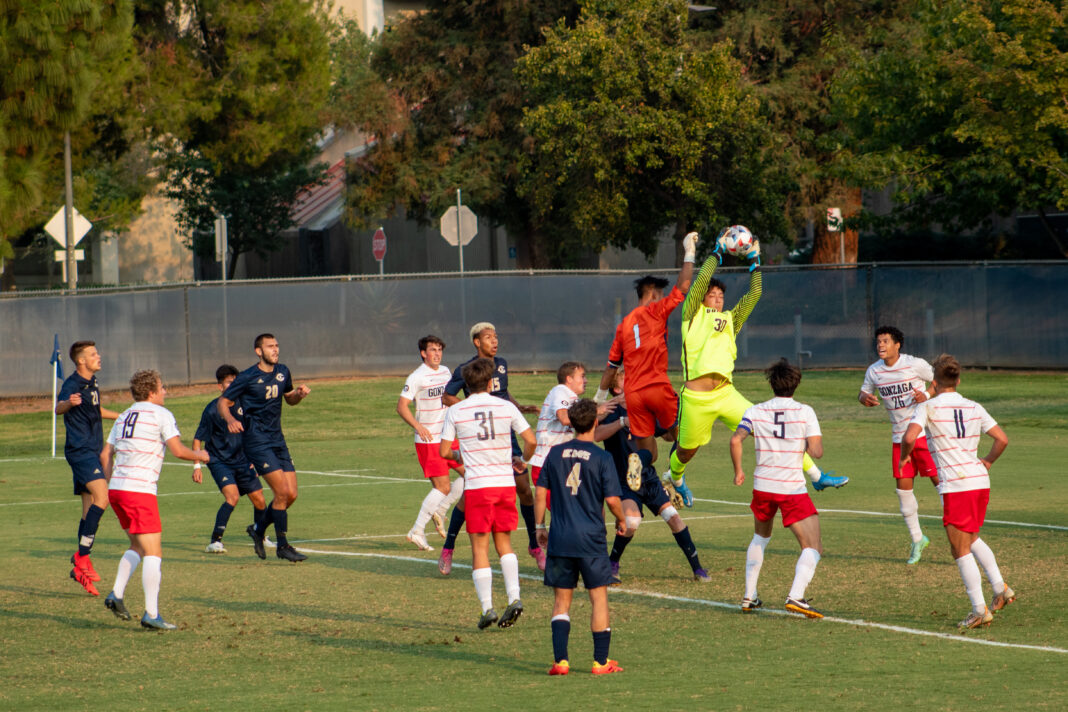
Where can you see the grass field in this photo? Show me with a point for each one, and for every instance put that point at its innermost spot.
(368, 623)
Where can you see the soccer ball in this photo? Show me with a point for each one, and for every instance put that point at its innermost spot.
(737, 240)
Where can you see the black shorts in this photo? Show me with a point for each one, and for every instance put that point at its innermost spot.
(85, 467)
(651, 493)
(243, 476)
(269, 458)
(563, 571)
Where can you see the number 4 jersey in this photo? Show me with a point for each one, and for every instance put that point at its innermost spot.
(483, 424)
(894, 384)
(953, 425)
(781, 428)
(138, 437)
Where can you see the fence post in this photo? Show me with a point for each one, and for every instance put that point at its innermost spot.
(188, 342)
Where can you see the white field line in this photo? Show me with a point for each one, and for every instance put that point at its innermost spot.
(956, 637)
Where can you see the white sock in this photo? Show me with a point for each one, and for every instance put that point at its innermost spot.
(973, 582)
(455, 490)
(910, 511)
(127, 564)
(483, 579)
(803, 572)
(510, 571)
(754, 559)
(151, 575)
(430, 503)
(814, 473)
(985, 557)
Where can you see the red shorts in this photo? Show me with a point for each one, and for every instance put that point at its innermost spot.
(965, 510)
(490, 509)
(430, 459)
(534, 472)
(794, 507)
(138, 512)
(919, 463)
(649, 406)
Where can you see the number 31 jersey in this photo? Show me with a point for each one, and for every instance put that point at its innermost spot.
(483, 424)
(781, 428)
(138, 437)
(259, 393)
(894, 384)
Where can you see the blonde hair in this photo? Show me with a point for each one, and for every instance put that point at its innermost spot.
(480, 327)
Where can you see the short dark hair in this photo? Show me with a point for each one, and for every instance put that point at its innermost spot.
(715, 284)
(430, 339)
(784, 377)
(583, 415)
(76, 350)
(259, 340)
(224, 371)
(946, 370)
(894, 332)
(144, 383)
(477, 374)
(649, 282)
(567, 368)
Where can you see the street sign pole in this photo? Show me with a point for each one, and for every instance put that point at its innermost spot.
(72, 263)
(459, 232)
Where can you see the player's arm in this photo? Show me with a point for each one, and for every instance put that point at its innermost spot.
(232, 424)
(297, 395)
(1001, 441)
(540, 497)
(736, 453)
(616, 508)
(529, 443)
(198, 475)
(908, 440)
(183, 453)
(405, 412)
(814, 446)
(696, 293)
(867, 399)
(109, 414)
(603, 431)
(689, 254)
(524, 408)
(748, 302)
(107, 460)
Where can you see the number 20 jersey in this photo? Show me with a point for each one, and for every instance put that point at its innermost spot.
(483, 424)
(138, 437)
(894, 384)
(259, 393)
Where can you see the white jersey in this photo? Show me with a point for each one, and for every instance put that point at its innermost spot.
(780, 427)
(954, 425)
(895, 384)
(483, 424)
(138, 437)
(550, 430)
(425, 386)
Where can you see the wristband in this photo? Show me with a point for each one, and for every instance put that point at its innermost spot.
(196, 466)
(541, 527)
(602, 395)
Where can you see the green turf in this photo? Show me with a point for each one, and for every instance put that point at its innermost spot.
(370, 624)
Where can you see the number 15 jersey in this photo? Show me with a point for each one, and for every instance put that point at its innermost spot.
(483, 424)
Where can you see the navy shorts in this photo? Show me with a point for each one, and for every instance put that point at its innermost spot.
(563, 571)
(244, 477)
(270, 458)
(651, 493)
(85, 468)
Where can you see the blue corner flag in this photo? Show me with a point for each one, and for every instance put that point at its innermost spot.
(56, 359)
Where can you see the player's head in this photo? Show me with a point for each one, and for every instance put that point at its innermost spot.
(617, 381)
(478, 374)
(650, 285)
(147, 385)
(224, 375)
(784, 378)
(266, 347)
(84, 354)
(946, 372)
(715, 294)
(431, 349)
(888, 341)
(583, 415)
(573, 375)
(484, 337)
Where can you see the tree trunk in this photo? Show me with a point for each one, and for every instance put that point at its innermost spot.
(830, 248)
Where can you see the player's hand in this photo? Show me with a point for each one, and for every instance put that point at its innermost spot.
(986, 464)
(303, 391)
(919, 396)
(235, 426)
(198, 475)
(604, 409)
(203, 456)
(529, 409)
(621, 527)
(424, 434)
(739, 477)
(869, 400)
(75, 399)
(689, 246)
(518, 465)
(542, 537)
(754, 250)
(721, 243)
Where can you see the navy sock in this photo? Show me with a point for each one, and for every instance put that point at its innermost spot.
(265, 521)
(258, 515)
(281, 519)
(221, 518)
(456, 523)
(527, 510)
(561, 632)
(685, 542)
(87, 531)
(601, 641)
(618, 546)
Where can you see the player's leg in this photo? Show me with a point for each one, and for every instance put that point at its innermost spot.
(151, 578)
(560, 624)
(594, 572)
(505, 521)
(807, 531)
(681, 532)
(90, 484)
(754, 560)
(526, 508)
(456, 523)
(482, 576)
(904, 477)
(698, 411)
(127, 564)
(439, 490)
(632, 514)
(231, 495)
(642, 420)
(456, 489)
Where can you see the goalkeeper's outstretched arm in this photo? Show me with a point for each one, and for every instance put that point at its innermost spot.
(696, 295)
(748, 302)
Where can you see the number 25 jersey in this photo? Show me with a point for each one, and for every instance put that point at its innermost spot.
(259, 393)
(483, 424)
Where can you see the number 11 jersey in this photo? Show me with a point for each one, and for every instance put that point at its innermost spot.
(483, 424)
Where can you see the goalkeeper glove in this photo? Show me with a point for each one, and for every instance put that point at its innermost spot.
(689, 247)
(721, 247)
(753, 255)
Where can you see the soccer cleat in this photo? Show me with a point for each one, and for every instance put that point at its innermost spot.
(634, 472)
(419, 540)
(539, 556)
(916, 551)
(267, 540)
(82, 578)
(1002, 599)
(85, 564)
(560, 668)
(609, 667)
(215, 547)
(257, 541)
(439, 524)
(673, 494)
(489, 617)
(156, 623)
(828, 480)
(116, 606)
(288, 553)
(702, 576)
(511, 614)
(445, 562)
(976, 620)
(800, 605)
(749, 605)
(615, 580)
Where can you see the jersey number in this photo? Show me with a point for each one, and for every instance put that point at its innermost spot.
(128, 426)
(958, 423)
(271, 391)
(781, 432)
(637, 338)
(495, 385)
(96, 398)
(485, 422)
(720, 323)
(573, 480)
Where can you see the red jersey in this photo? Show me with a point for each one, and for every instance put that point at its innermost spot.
(641, 342)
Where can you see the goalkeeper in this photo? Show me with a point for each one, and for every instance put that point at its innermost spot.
(708, 353)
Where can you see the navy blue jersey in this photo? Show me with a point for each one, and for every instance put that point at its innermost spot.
(85, 433)
(259, 393)
(579, 475)
(498, 384)
(225, 448)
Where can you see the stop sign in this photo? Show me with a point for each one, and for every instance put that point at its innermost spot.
(378, 244)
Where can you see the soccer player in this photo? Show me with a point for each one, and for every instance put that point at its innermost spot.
(901, 381)
(783, 430)
(709, 350)
(260, 390)
(483, 423)
(954, 425)
(640, 346)
(79, 404)
(229, 467)
(132, 458)
(425, 386)
(484, 337)
(582, 479)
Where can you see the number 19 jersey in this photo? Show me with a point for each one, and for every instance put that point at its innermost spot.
(138, 437)
(483, 424)
(781, 428)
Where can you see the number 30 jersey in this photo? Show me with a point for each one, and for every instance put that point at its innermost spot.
(138, 437)
(953, 425)
(894, 384)
(781, 428)
(259, 393)
(483, 424)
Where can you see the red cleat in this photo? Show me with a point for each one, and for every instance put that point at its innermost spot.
(84, 564)
(539, 556)
(560, 668)
(609, 667)
(83, 578)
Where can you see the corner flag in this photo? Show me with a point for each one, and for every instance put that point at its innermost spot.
(57, 375)
(55, 360)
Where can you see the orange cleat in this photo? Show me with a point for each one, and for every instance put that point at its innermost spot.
(561, 668)
(609, 667)
(83, 578)
(86, 565)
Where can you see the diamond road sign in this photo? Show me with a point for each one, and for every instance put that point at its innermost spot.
(57, 227)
